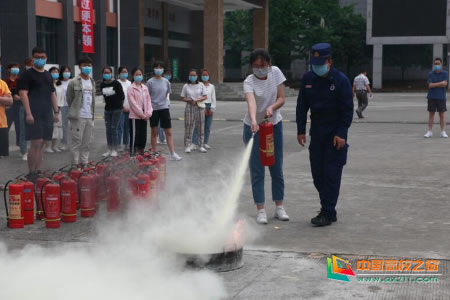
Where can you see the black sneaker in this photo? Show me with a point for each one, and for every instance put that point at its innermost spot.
(360, 116)
(322, 219)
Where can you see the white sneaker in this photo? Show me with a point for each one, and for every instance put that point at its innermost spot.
(206, 146)
(281, 214)
(106, 154)
(25, 157)
(48, 150)
(188, 150)
(175, 157)
(158, 142)
(164, 142)
(194, 148)
(113, 153)
(261, 217)
(63, 148)
(444, 135)
(202, 150)
(56, 149)
(428, 134)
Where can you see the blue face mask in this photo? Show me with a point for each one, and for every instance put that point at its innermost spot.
(123, 75)
(15, 71)
(86, 70)
(320, 70)
(205, 78)
(168, 77)
(138, 78)
(39, 62)
(158, 72)
(437, 67)
(193, 79)
(67, 75)
(55, 76)
(107, 76)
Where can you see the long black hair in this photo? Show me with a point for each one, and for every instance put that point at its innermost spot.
(61, 74)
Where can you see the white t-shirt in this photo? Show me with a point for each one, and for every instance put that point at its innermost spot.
(360, 82)
(64, 84)
(86, 108)
(194, 91)
(265, 92)
(125, 86)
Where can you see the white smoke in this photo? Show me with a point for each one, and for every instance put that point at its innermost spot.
(134, 255)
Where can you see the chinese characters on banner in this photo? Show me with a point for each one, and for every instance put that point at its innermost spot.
(87, 26)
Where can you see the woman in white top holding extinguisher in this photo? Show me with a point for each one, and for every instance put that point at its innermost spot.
(264, 92)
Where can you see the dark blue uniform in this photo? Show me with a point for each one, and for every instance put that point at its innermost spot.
(331, 103)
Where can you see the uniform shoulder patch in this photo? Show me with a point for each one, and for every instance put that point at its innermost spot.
(308, 86)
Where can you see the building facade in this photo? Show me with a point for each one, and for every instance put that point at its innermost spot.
(183, 33)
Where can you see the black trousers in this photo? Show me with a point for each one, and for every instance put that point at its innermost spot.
(138, 135)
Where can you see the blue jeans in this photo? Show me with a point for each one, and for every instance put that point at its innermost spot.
(112, 119)
(65, 123)
(257, 170)
(208, 122)
(124, 128)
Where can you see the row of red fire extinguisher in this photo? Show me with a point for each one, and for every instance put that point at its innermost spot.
(62, 195)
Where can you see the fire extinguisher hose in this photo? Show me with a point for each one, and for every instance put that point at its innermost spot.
(4, 198)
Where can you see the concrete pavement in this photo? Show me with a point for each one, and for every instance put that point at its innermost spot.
(394, 202)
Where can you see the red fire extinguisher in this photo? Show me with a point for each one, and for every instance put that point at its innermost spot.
(113, 185)
(69, 199)
(52, 204)
(266, 146)
(154, 183)
(28, 200)
(101, 192)
(14, 205)
(133, 186)
(143, 185)
(87, 200)
(40, 193)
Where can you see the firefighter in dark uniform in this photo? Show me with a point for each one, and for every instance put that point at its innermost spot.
(327, 93)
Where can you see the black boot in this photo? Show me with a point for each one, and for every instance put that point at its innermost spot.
(322, 219)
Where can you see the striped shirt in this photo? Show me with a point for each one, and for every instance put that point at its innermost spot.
(360, 82)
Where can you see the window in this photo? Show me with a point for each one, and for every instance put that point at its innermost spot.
(47, 37)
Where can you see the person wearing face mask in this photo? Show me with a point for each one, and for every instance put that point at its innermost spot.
(114, 97)
(51, 147)
(140, 111)
(80, 97)
(28, 63)
(161, 135)
(327, 93)
(124, 128)
(210, 107)
(194, 94)
(264, 92)
(37, 93)
(159, 89)
(437, 98)
(61, 90)
(16, 113)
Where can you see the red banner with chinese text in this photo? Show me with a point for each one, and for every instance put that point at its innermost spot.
(87, 26)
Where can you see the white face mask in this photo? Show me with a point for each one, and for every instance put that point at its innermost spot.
(261, 73)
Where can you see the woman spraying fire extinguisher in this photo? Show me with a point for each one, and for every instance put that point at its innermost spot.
(264, 92)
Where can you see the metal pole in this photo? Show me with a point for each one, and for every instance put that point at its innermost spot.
(118, 33)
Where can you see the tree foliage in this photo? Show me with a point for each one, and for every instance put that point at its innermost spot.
(295, 25)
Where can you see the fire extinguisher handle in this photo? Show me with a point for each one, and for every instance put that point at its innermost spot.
(4, 197)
